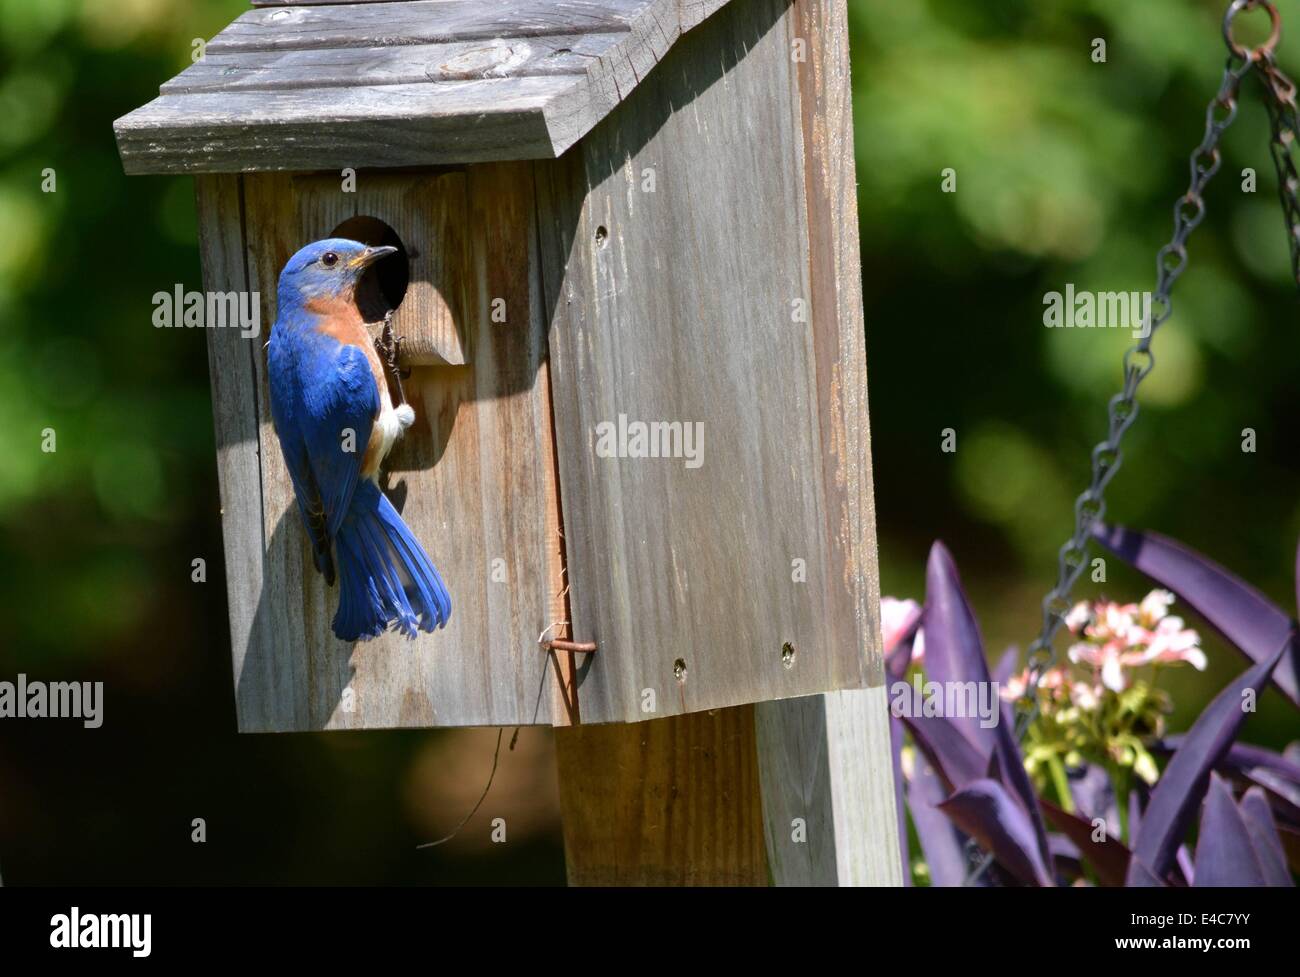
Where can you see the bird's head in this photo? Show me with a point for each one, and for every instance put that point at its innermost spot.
(331, 267)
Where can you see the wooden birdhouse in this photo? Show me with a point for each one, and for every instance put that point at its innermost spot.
(629, 287)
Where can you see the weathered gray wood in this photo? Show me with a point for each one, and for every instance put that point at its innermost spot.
(682, 305)
(693, 11)
(474, 479)
(235, 414)
(402, 84)
(562, 54)
(331, 128)
(826, 772)
(826, 759)
(421, 22)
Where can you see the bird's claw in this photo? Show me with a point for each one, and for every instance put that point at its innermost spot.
(390, 350)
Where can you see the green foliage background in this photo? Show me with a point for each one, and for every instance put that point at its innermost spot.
(1067, 171)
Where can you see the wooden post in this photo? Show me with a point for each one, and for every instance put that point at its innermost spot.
(677, 800)
(796, 792)
(672, 801)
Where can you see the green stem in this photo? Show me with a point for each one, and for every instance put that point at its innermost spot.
(1119, 775)
(1061, 782)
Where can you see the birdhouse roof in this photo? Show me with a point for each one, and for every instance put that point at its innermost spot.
(363, 83)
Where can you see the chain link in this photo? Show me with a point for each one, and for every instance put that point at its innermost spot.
(1139, 360)
(1282, 116)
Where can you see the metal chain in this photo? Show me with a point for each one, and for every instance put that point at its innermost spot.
(1139, 360)
(1282, 116)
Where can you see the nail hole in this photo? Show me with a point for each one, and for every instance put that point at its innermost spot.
(383, 286)
(787, 655)
(602, 236)
(679, 670)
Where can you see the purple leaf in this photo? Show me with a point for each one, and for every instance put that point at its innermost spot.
(1185, 865)
(942, 844)
(1290, 838)
(1275, 772)
(1285, 793)
(1264, 838)
(1014, 776)
(1244, 756)
(954, 758)
(1108, 857)
(954, 652)
(1250, 621)
(988, 813)
(1139, 876)
(1224, 853)
(1175, 798)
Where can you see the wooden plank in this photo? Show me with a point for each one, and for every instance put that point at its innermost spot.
(473, 479)
(668, 802)
(378, 125)
(826, 770)
(421, 22)
(237, 406)
(839, 328)
(827, 759)
(402, 84)
(562, 54)
(676, 306)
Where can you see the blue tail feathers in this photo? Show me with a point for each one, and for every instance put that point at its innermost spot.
(385, 577)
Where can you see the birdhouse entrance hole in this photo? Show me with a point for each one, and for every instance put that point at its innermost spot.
(383, 286)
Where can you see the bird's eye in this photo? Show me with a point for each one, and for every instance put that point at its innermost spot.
(329, 259)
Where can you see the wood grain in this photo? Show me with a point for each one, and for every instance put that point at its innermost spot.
(421, 22)
(561, 54)
(236, 414)
(677, 306)
(668, 802)
(825, 761)
(473, 481)
(402, 84)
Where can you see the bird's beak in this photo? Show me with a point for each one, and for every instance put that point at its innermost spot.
(369, 256)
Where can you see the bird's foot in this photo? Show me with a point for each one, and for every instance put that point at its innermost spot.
(390, 350)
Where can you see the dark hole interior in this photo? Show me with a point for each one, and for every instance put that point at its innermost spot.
(384, 284)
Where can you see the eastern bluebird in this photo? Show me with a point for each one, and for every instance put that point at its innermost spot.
(336, 423)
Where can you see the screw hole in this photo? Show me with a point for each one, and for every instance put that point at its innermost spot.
(787, 655)
(679, 670)
(602, 236)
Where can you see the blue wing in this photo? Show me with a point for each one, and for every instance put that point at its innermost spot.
(340, 404)
(324, 402)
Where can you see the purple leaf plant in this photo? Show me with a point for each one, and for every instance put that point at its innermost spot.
(963, 778)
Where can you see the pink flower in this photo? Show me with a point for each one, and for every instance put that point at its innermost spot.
(1054, 680)
(1171, 642)
(896, 619)
(1154, 607)
(1118, 637)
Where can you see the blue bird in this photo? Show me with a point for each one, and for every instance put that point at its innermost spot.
(336, 423)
